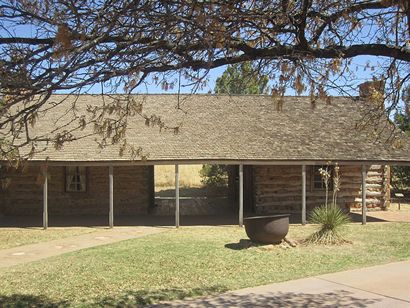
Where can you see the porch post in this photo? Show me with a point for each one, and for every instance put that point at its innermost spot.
(240, 195)
(45, 198)
(364, 206)
(304, 195)
(177, 196)
(111, 180)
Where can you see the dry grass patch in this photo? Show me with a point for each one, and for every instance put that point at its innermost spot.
(404, 206)
(14, 237)
(188, 176)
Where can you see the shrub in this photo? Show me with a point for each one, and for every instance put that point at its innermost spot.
(214, 175)
(401, 177)
(331, 219)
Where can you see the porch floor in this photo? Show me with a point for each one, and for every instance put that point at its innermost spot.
(153, 220)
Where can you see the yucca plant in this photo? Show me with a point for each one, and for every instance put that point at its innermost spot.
(330, 218)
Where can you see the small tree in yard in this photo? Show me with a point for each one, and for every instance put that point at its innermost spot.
(214, 175)
(330, 217)
(401, 174)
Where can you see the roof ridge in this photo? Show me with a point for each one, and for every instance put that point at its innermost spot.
(198, 94)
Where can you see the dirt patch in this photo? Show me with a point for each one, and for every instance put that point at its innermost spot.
(393, 214)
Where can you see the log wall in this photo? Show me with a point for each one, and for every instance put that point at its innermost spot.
(278, 189)
(24, 195)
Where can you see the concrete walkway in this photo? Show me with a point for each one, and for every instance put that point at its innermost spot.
(34, 252)
(378, 286)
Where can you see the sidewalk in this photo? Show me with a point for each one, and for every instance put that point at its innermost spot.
(34, 252)
(378, 286)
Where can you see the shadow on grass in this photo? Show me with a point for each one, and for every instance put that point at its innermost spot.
(147, 297)
(357, 217)
(127, 299)
(246, 244)
(242, 244)
(23, 300)
(337, 298)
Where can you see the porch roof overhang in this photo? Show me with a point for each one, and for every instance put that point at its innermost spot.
(218, 162)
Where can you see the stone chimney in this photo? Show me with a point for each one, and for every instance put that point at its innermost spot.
(373, 91)
(368, 88)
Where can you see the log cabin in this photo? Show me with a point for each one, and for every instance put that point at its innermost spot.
(273, 149)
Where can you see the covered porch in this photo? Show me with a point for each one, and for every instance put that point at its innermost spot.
(244, 196)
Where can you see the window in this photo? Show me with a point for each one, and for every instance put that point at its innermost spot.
(75, 179)
(317, 181)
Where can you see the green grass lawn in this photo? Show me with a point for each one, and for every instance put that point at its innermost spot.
(13, 237)
(190, 261)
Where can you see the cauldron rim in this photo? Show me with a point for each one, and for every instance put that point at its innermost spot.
(268, 216)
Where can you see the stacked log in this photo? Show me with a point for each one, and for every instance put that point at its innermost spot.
(278, 189)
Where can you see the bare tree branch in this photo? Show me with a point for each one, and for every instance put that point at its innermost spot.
(49, 46)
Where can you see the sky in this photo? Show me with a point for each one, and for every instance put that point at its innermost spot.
(362, 75)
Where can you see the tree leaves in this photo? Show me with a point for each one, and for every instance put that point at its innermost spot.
(242, 79)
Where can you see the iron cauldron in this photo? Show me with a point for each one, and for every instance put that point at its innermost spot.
(267, 229)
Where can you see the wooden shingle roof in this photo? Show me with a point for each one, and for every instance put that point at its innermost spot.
(231, 128)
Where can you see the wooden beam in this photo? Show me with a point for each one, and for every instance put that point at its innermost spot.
(364, 206)
(387, 185)
(45, 198)
(177, 196)
(111, 180)
(303, 194)
(240, 195)
(233, 162)
(151, 176)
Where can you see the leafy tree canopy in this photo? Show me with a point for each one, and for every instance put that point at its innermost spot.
(49, 46)
(403, 116)
(242, 79)
(401, 174)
